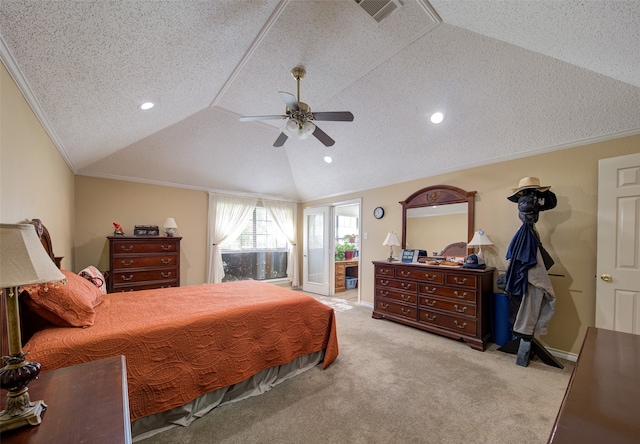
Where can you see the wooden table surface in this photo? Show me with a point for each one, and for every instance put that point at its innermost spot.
(601, 404)
(86, 403)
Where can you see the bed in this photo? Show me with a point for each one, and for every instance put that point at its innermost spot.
(190, 349)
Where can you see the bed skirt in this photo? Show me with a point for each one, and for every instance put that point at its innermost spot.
(256, 385)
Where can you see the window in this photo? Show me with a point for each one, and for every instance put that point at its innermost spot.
(259, 253)
(345, 226)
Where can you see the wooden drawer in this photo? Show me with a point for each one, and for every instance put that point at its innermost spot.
(396, 309)
(128, 277)
(125, 262)
(453, 293)
(144, 286)
(408, 298)
(410, 287)
(422, 274)
(384, 271)
(455, 307)
(459, 324)
(463, 280)
(340, 271)
(127, 246)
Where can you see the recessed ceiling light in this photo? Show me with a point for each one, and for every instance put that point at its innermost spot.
(437, 117)
(147, 105)
(328, 159)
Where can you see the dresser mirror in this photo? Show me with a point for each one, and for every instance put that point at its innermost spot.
(437, 217)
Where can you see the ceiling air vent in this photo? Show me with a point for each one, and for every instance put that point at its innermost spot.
(379, 9)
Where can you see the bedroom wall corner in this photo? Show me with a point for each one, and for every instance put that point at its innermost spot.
(100, 202)
(35, 181)
(568, 231)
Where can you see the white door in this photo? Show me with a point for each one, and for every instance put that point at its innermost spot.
(315, 252)
(618, 269)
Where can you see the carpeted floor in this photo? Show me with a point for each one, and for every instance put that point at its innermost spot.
(393, 383)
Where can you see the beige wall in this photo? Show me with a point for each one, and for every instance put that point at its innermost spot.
(35, 181)
(568, 232)
(100, 202)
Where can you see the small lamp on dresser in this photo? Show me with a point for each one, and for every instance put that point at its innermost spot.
(23, 261)
(391, 241)
(170, 226)
(479, 239)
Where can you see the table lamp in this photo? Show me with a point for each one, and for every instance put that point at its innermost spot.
(23, 261)
(391, 241)
(170, 226)
(479, 239)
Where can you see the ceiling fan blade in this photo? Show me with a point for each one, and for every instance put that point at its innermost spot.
(323, 137)
(254, 118)
(289, 99)
(282, 138)
(342, 116)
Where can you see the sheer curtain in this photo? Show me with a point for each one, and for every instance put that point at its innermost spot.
(227, 217)
(283, 214)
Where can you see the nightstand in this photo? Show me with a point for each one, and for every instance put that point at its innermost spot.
(85, 403)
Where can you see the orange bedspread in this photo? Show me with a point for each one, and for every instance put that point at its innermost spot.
(182, 342)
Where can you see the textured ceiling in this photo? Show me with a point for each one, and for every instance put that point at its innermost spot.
(513, 78)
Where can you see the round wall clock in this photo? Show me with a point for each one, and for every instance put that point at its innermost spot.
(378, 212)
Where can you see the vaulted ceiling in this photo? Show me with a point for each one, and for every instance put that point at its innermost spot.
(513, 78)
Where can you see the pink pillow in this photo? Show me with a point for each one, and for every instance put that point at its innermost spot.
(68, 305)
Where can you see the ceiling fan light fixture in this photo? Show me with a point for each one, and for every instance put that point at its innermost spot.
(308, 128)
(291, 127)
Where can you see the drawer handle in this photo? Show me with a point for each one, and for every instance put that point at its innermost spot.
(464, 280)
(405, 273)
(126, 264)
(383, 271)
(405, 297)
(433, 290)
(405, 286)
(405, 311)
(168, 286)
(385, 283)
(165, 261)
(124, 278)
(126, 248)
(384, 293)
(461, 296)
(430, 304)
(165, 275)
(383, 305)
(430, 278)
(464, 308)
(165, 247)
(430, 319)
(464, 325)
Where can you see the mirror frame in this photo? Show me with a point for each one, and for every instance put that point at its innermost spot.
(439, 195)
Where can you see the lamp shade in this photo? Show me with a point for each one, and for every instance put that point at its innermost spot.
(480, 239)
(23, 260)
(391, 240)
(170, 223)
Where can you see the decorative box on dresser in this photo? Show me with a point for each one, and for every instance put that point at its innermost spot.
(143, 263)
(450, 301)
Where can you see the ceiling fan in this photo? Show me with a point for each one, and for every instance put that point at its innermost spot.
(300, 119)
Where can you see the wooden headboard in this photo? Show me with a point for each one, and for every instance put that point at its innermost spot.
(30, 322)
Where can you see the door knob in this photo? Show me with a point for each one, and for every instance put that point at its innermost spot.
(605, 277)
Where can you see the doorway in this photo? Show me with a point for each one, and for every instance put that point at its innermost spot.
(336, 238)
(346, 257)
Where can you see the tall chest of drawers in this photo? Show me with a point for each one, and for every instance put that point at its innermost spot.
(143, 263)
(450, 301)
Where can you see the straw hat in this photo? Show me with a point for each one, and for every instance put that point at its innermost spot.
(526, 183)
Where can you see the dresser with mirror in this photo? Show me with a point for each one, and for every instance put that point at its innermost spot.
(448, 300)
